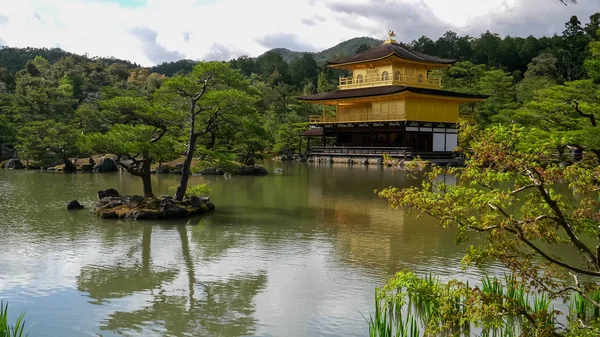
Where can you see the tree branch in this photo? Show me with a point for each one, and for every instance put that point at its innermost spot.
(209, 124)
(205, 86)
(522, 237)
(156, 138)
(589, 116)
(562, 221)
(577, 288)
(499, 209)
(522, 189)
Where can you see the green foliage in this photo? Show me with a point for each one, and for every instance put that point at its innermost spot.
(528, 88)
(213, 159)
(561, 115)
(499, 85)
(592, 64)
(6, 330)
(271, 63)
(303, 69)
(169, 69)
(132, 141)
(287, 138)
(542, 65)
(508, 194)
(48, 140)
(197, 190)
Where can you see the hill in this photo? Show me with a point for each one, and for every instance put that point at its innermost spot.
(345, 48)
(14, 59)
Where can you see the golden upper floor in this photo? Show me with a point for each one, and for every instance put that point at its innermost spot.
(390, 64)
(389, 74)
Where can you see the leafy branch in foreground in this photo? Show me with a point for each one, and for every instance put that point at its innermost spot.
(532, 211)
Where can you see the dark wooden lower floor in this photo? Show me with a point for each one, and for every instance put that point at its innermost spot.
(394, 137)
(369, 152)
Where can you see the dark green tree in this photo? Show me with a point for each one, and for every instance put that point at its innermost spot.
(141, 133)
(207, 96)
(269, 63)
(302, 70)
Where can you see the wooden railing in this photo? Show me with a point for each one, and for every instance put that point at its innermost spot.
(374, 81)
(360, 151)
(396, 152)
(358, 117)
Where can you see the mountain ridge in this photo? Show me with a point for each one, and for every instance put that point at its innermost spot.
(15, 58)
(345, 48)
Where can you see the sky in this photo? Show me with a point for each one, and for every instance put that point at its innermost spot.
(150, 32)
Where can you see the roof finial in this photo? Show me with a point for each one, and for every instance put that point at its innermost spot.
(391, 34)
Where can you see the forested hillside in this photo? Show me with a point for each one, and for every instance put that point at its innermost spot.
(47, 92)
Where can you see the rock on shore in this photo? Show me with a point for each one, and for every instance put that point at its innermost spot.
(244, 170)
(115, 206)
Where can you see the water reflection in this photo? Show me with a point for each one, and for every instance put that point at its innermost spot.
(125, 278)
(292, 254)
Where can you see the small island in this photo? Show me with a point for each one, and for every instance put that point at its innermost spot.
(112, 205)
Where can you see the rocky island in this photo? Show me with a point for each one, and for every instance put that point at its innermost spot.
(112, 205)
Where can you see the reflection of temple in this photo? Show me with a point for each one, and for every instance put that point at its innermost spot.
(391, 103)
(367, 232)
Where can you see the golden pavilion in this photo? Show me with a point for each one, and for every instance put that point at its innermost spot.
(389, 104)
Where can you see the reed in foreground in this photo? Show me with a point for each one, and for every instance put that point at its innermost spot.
(6, 330)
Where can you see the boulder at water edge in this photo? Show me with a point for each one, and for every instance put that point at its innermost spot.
(14, 164)
(106, 165)
(162, 169)
(109, 192)
(74, 204)
(86, 167)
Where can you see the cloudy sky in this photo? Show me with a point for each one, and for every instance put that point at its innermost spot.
(154, 31)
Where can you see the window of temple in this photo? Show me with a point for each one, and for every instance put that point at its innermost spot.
(397, 76)
(372, 74)
(384, 76)
(359, 78)
(420, 78)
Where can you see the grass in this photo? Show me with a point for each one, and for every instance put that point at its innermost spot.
(583, 309)
(411, 306)
(6, 330)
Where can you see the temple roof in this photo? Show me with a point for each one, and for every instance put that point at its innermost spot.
(384, 90)
(389, 49)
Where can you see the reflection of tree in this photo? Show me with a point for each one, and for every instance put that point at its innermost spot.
(204, 309)
(212, 242)
(105, 282)
(219, 309)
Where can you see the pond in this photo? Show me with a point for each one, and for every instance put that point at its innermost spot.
(293, 254)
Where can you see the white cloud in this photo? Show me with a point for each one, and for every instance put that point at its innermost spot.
(229, 28)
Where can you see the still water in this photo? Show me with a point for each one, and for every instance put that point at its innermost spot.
(292, 254)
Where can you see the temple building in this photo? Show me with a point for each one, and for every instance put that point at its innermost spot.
(389, 104)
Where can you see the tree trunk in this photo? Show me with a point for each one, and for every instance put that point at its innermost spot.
(213, 141)
(185, 171)
(146, 178)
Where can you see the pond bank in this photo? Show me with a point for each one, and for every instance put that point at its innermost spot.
(107, 163)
